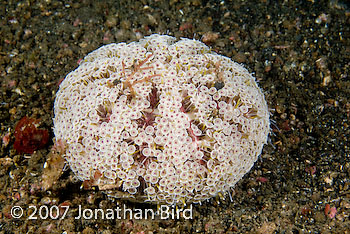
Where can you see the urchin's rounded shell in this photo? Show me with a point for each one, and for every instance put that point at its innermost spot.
(161, 120)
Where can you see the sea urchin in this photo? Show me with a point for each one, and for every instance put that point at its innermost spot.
(160, 120)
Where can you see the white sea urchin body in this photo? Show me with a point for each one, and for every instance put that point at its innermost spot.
(161, 120)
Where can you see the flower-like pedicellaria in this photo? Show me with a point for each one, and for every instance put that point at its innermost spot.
(161, 120)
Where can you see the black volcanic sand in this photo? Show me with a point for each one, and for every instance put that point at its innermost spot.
(299, 52)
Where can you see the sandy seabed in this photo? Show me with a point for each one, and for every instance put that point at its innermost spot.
(298, 51)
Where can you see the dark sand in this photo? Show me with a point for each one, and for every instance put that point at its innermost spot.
(299, 52)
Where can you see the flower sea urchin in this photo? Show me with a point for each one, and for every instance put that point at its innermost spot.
(161, 120)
